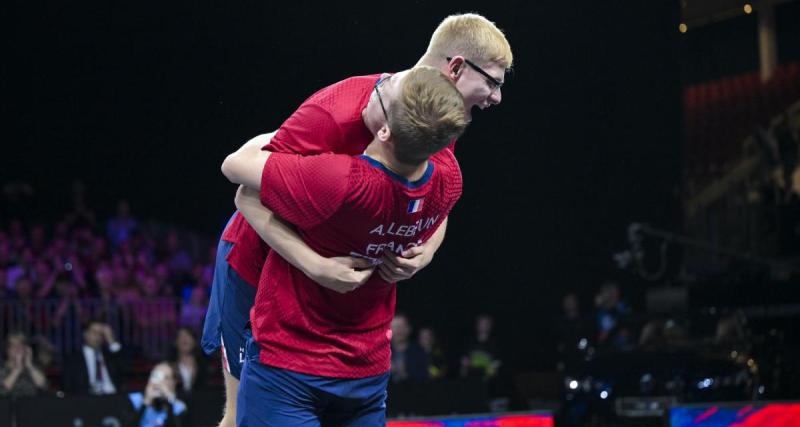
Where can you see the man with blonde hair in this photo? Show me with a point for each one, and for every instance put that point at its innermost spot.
(318, 357)
(473, 53)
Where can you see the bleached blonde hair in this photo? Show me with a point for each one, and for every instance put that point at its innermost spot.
(471, 36)
(426, 116)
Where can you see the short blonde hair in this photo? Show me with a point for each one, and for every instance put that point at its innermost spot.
(472, 36)
(426, 116)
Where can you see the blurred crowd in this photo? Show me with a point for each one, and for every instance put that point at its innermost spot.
(78, 272)
(120, 260)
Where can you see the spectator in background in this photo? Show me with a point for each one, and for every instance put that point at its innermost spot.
(104, 282)
(482, 358)
(95, 369)
(45, 353)
(69, 311)
(4, 288)
(573, 333)
(787, 148)
(408, 360)
(612, 316)
(159, 405)
(189, 360)
(122, 227)
(19, 377)
(22, 313)
(179, 262)
(156, 316)
(435, 358)
(193, 314)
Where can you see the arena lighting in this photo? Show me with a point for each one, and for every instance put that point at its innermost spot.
(748, 9)
(682, 28)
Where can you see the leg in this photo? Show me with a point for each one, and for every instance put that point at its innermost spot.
(231, 388)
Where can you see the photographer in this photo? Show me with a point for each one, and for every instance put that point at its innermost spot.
(159, 406)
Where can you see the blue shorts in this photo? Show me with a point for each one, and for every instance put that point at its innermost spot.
(271, 396)
(228, 313)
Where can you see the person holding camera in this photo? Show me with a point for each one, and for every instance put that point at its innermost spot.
(158, 406)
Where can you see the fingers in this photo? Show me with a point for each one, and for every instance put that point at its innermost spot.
(390, 261)
(352, 262)
(362, 276)
(399, 268)
(383, 274)
(361, 263)
(410, 265)
(391, 274)
(413, 251)
(352, 280)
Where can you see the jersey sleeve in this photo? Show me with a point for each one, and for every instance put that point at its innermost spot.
(305, 190)
(309, 130)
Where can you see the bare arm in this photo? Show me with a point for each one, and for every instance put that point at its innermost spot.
(36, 374)
(245, 165)
(11, 379)
(340, 274)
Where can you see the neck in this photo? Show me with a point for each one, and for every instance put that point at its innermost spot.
(382, 152)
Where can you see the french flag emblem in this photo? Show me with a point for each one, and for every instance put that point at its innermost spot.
(415, 206)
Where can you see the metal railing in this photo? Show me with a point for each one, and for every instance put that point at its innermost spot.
(145, 328)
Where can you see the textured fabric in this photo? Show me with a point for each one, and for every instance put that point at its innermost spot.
(328, 121)
(228, 313)
(362, 212)
(277, 397)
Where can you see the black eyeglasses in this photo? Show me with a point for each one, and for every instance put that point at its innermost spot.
(494, 84)
(377, 92)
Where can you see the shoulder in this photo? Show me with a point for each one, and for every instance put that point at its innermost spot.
(447, 165)
(343, 90)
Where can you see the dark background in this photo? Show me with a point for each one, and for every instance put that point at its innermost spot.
(143, 101)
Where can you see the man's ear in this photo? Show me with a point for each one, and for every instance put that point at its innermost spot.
(384, 133)
(455, 68)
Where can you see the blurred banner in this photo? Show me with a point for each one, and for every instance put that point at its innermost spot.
(746, 414)
(537, 419)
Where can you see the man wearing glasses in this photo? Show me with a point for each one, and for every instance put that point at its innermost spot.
(468, 49)
(319, 357)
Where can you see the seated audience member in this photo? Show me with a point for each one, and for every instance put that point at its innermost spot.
(189, 360)
(482, 358)
(408, 360)
(612, 317)
(436, 360)
(95, 368)
(19, 376)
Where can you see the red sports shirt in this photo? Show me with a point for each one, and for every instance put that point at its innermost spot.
(329, 121)
(342, 205)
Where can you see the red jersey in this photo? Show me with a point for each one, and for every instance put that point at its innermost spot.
(329, 121)
(342, 205)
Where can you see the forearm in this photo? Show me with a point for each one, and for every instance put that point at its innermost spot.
(38, 377)
(278, 234)
(245, 165)
(11, 379)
